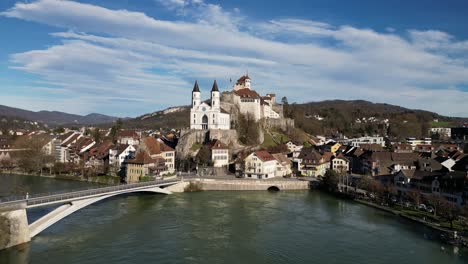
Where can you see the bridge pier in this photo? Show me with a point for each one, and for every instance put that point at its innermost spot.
(14, 229)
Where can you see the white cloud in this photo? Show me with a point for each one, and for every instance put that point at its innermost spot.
(132, 55)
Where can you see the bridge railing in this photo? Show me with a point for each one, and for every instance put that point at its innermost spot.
(65, 195)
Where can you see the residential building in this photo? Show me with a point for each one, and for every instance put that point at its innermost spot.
(283, 165)
(128, 137)
(219, 154)
(414, 141)
(402, 148)
(340, 163)
(119, 154)
(357, 142)
(157, 149)
(445, 132)
(143, 166)
(260, 165)
(312, 163)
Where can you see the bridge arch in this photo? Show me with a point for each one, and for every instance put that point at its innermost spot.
(68, 208)
(273, 188)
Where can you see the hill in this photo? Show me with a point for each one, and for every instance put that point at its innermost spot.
(54, 118)
(352, 118)
(358, 117)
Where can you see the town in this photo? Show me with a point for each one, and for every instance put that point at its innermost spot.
(240, 134)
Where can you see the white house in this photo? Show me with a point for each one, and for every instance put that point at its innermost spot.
(357, 142)
(260, 165)
(442, 131)
(219, 154)
(283, 165)
(208, 115)
(121, 153)
(340, 163)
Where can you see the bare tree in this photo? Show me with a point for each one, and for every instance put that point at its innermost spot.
(436, 201)
(414, 196)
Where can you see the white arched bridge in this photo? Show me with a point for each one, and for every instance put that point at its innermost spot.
(69, 202)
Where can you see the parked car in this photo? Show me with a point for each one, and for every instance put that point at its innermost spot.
(430, 209)
(422, 207)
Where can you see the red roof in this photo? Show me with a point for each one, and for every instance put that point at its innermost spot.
(242, 79)
(264, 155)
(155, 147)
(247, 93)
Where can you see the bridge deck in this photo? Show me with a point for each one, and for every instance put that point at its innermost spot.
(36, 200)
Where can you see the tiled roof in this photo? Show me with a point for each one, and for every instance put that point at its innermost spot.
(71, 140)
(242, 79)
(264, 155)
(155, 147)
(142, 157)
(216, 144)
(65, 136)
(247, 93)
(282, 159)
(127, 133)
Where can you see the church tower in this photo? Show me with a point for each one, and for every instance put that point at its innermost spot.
(215, 101)
(196, 95)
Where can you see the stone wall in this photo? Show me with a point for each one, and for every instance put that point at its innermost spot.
(283, 124)
(252, 185)
(14, 228)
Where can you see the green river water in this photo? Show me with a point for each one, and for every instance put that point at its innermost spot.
(223, 227)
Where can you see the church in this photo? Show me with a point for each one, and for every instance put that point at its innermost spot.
(208, 114)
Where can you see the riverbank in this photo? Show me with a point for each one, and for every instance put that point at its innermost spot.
(105, 179)
(448, 236)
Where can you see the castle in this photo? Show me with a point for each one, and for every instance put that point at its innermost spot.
(251, 103)
(208, 115)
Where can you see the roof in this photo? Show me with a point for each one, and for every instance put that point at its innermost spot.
(120, 148)
(247, 93)
(65, 136)
(127, 133)
(341, 156)
(155, 147)
(71, 140)
(216, 144)
(242, 79)
(264, 155)
(282, 159)
(101, 150)
(142, 157)
(372, 147)
(311, 156)
(195, 87)
(215, 87)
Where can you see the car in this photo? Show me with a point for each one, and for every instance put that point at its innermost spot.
(408, 204)
(430, 209)
(422, 207)
(393, 199)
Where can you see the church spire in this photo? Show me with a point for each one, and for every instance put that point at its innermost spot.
(215, 87)
(195, 87)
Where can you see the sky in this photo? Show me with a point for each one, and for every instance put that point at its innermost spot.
(127, 58)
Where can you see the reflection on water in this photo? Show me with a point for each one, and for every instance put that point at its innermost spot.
(231, 227)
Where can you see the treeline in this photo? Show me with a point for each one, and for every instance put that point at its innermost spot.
(340, 117)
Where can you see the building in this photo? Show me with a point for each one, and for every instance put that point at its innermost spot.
(157, 149)
(219, 154)
(128, 137)
(340, 163)
(143, 166)
(312, 163)
(119, 154)
(251, 103)
(402, 148)
(61, 144)
(460, 133)
(357, 142)
(445, 132)
(260, 165)
(208, 115)
(283, 165)
(414, 141)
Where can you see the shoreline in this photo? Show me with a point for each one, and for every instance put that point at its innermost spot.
(106, 180)
(459, 239)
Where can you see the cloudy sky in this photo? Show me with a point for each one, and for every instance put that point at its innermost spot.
(127, 58)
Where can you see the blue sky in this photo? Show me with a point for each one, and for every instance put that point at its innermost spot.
(127, 58)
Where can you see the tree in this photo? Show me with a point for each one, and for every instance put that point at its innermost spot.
(96, 135)
(203, 156)
(414, 196)
(248, 129)
(59, 130)
(331, 180)
(284, 100)
(450, 212)
(115, 130)
(32, 157)
(436, 201)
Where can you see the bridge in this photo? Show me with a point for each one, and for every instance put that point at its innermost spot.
(14, 209)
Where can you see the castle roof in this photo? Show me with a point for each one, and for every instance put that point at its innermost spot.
(242, 79)
(195, 87)
(215, 87)
(247, 93)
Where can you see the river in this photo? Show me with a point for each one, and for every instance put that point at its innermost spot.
(224, 227)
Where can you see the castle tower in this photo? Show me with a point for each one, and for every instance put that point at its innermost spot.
(196, 95)
(215, 101)
(242, 83)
